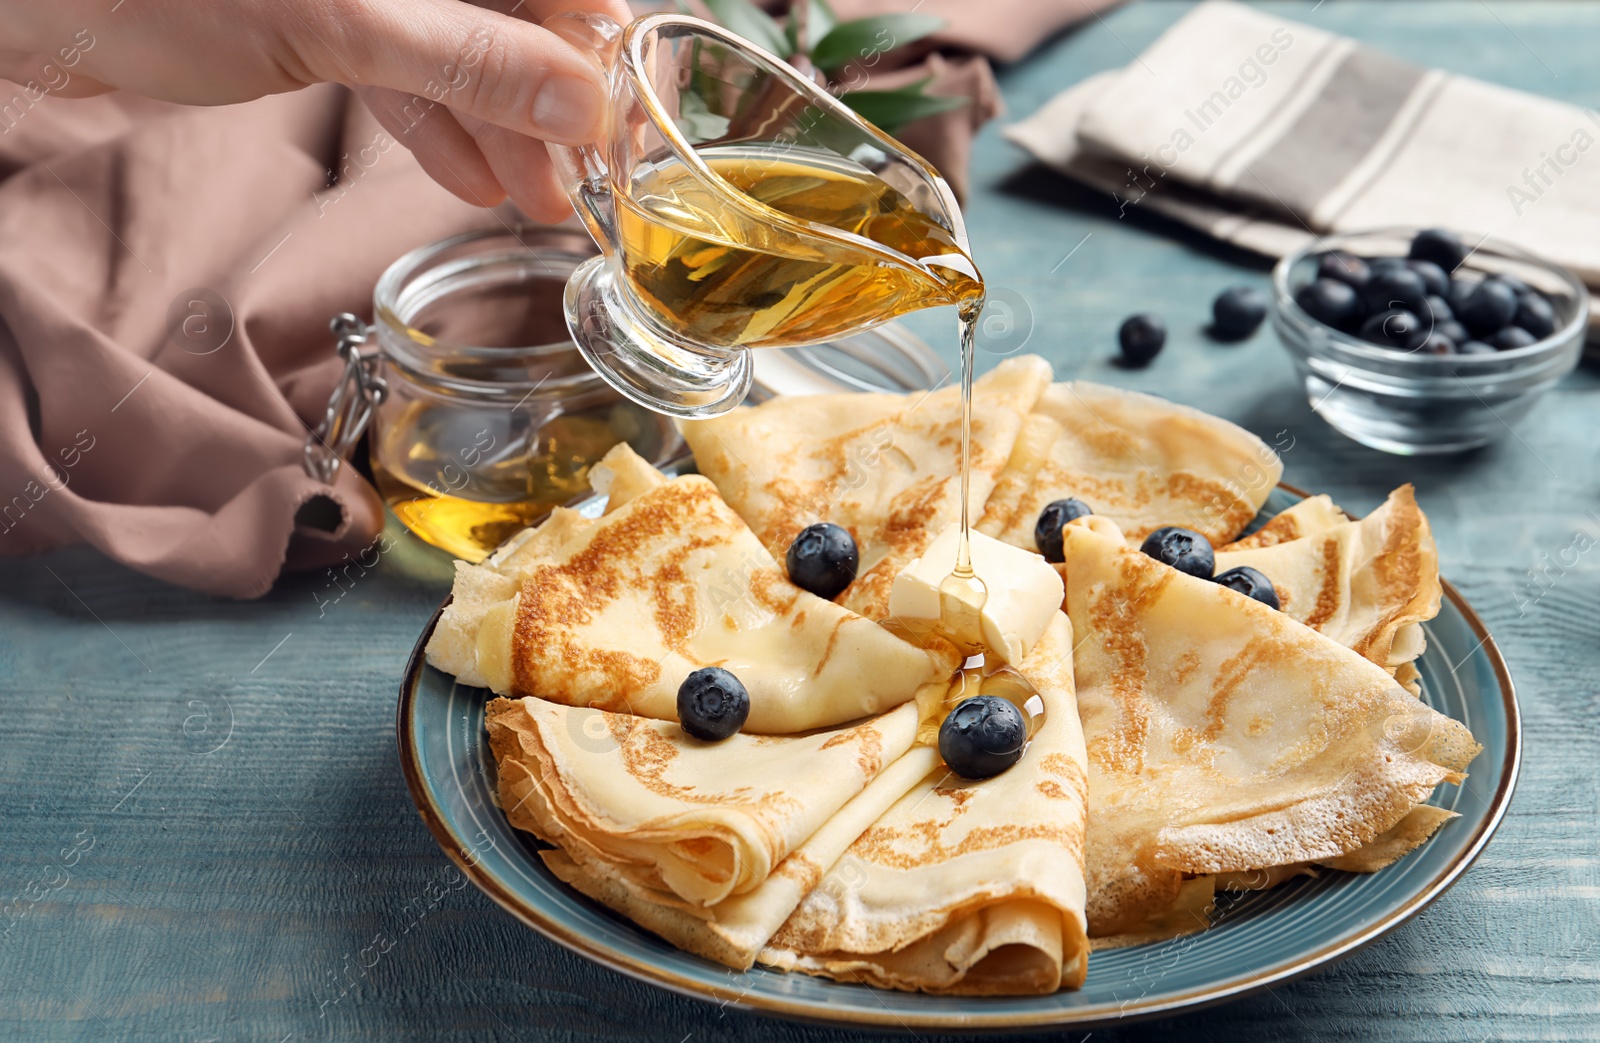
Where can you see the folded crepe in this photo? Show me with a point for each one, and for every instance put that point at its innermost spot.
(1394, 843)
(734, 930)
(1366, 584)
(615, 612)
(970, 887)
(1224, 736)
(1139, 460)
(886, 467)
(1310, 517)
(688, 821)
(1382, 851)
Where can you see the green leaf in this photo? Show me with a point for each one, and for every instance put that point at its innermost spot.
(752, 23)
(891, 110)
(861, 39)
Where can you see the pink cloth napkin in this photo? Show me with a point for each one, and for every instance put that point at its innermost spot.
(127, 421)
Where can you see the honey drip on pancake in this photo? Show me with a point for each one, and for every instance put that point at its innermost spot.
(984, 675)
(962, 594)
(981, 674)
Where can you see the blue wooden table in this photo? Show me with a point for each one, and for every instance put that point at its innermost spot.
(203, 825)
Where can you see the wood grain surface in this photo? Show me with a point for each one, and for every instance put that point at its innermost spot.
(203, 826)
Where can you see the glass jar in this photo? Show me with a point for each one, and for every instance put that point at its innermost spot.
(483, 414)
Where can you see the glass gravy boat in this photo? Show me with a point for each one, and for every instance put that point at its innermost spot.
(737, 205)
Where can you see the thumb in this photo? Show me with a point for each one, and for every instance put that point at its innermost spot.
(497, 68)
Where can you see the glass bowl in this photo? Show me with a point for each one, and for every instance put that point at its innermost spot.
(1414, 404)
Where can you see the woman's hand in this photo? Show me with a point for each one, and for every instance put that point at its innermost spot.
(472, 90)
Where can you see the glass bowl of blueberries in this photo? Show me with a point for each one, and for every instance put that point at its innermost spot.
(1411, 342)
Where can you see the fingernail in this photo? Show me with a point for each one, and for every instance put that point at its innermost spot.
(568, 108)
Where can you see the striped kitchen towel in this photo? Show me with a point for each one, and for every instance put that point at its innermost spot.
(1266, 133)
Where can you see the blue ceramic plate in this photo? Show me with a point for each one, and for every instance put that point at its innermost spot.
(1258, 939)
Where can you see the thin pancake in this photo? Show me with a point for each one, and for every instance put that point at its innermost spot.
(735, 929)
(971, 887)
(886, 467)
(1310, 517)
(1380, 852)
(1365, 584)
(1224, 736)
(1139, 460)
(615, 612)
(1395, 842)
(701, 821)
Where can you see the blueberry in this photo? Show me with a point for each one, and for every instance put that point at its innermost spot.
(1436, 343)
(1433, 277)
(1330, 301)
(1142, 337)
(1343, 267)
(1512, 337)
(1454, 330)
(1237, 312)
(1047, 530)
(1440, 246)
(1475, 347)
(823, 559)
(1395, 288)
(1492, 305)
(1183, 549)
(1535, 315)
(1251, 584)
(1460, 292)
(1388, 264)
(712, 704)
(1395, 328)
(982, 737)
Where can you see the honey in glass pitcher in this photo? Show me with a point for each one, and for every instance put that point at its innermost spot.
(702, 269)
(739, 205)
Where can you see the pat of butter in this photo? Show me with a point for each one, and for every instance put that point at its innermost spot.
(1025, 591)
